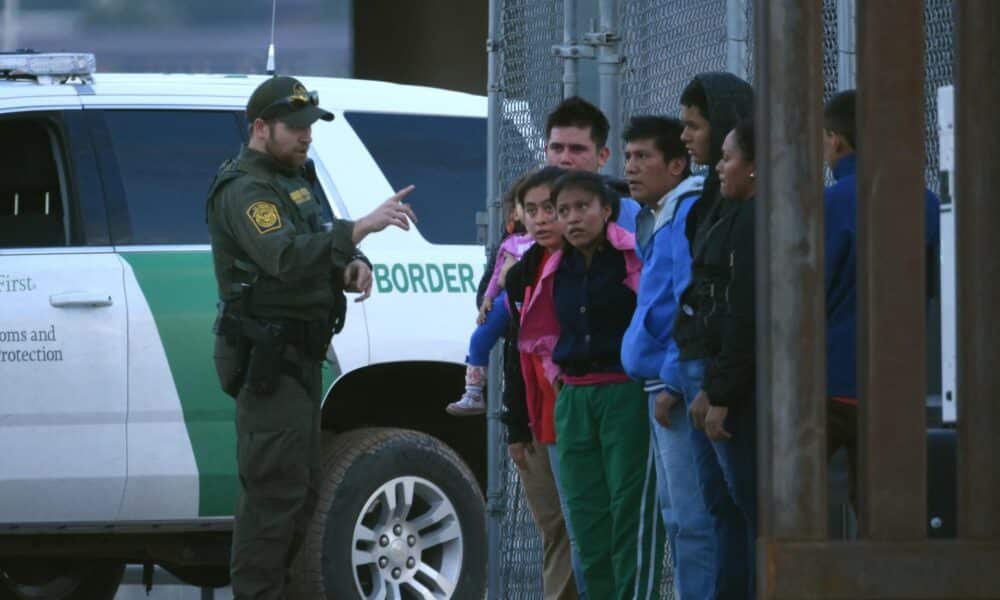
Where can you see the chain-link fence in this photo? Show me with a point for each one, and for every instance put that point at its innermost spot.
(662, 45)
(939, 69)
(529, 78)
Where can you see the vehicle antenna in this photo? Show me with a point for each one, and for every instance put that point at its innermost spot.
(270, 47)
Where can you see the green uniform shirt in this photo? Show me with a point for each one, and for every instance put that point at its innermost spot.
(266, 226)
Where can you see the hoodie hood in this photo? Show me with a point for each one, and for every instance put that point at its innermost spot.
(668, 205)
(729, 100)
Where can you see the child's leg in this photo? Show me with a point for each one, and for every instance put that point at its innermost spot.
(486, 335)
(483, 339)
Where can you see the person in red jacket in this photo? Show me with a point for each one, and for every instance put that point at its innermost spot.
(529, 399)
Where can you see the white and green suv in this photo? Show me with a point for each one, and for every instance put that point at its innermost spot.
(118, 445)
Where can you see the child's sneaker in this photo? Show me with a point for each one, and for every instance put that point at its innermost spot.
(471, 402)
(468, 406)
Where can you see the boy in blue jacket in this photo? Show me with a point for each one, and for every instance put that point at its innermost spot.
(841, 228)
(658, 173)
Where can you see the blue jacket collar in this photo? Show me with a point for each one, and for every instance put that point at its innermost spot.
(846, 166)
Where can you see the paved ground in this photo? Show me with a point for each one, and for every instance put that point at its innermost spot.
(165, 587)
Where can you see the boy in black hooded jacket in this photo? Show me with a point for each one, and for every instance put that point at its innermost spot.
(711, 105)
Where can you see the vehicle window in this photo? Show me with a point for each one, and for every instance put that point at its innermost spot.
(167, 160)
(32, 195)
(445, 157)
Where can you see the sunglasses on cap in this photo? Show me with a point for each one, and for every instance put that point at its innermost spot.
(294, 102)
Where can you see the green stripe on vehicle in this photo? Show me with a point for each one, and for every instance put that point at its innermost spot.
(180, 290)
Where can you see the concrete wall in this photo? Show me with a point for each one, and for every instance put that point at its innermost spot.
(439, 43)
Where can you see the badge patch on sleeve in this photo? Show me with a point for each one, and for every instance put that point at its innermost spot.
(264, 216)
(301, 195)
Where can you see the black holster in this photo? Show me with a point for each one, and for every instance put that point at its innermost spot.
(267, 355)
(231, 358)
(257, 353)
(256, 350)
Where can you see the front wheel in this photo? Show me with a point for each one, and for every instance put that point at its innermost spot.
(399, 516)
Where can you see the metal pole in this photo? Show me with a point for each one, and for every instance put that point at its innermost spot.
(847, 42)
(609, 64)
(10, 25)
(571, 63)
(736, 37)
(791, 317)
(891, 272)
(977, 220)
(494, 477)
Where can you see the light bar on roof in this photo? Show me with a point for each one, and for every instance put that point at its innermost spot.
(48, 65)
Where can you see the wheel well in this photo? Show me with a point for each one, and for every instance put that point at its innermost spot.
(410, 395)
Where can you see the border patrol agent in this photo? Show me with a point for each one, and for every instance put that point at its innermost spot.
(281, 273)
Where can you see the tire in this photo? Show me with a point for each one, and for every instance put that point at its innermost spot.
(357, 546)
(60, 581)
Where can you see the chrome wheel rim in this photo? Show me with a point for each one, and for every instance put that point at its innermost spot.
(407, 542)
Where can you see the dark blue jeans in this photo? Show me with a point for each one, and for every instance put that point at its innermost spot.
(734, 550)
(738, 458)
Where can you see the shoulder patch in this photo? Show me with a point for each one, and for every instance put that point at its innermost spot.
(264, 216)
(301, 195)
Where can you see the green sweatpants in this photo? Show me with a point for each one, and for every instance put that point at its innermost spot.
(609, 479)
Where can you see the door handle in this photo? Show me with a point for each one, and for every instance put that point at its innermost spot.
(83, 299)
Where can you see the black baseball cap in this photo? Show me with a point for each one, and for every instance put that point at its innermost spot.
(285, 99)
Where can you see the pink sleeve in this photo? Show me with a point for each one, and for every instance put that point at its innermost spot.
(552, 370)
(493, 288)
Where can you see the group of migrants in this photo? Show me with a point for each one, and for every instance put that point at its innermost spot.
(628, 318)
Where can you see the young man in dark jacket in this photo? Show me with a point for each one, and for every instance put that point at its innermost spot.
(711, 105)
(841, 224)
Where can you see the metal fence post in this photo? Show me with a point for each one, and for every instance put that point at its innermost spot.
(571, 63)
(977, 220)
(891, 272)
(737, 37)
(791, 348)
(494, 486)
(609, 66)
(847, 43)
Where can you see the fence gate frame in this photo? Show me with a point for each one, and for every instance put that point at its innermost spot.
(893, 559)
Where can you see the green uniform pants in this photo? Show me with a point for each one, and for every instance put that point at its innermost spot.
(277, 452)
(608, 476)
